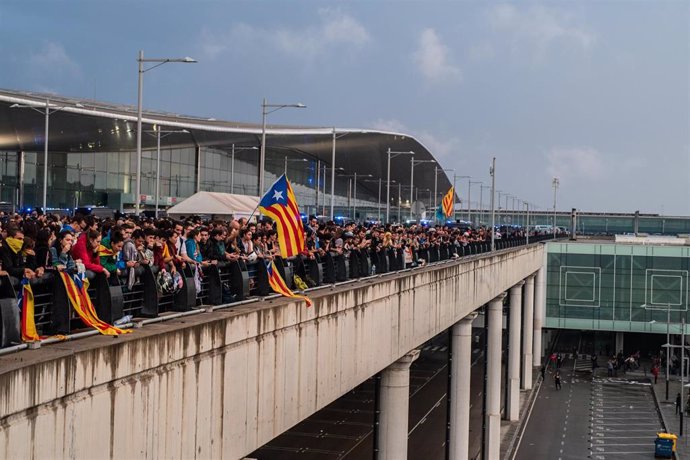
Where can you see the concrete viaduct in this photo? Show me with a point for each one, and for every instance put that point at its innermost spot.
(222, 384)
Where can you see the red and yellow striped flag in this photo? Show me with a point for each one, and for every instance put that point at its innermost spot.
(26, 305)
(448, 203)
(278, 284)
(79, 298)
(279, 204)
(104, 251)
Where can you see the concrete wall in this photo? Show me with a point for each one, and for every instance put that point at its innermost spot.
(222, 384)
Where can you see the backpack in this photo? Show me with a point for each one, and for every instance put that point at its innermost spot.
(164, 282)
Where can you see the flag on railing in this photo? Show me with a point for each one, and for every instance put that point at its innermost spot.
(76, 287)
(279, 204)
(448, 202)
(25, 302)
(278, 284)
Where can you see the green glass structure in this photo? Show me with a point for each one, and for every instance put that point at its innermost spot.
(604, 286)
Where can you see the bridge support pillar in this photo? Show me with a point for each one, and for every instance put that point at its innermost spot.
(527, 331)
(513, 409)
(395, 401)
(492, 440)
(539, 314)
(460, 371)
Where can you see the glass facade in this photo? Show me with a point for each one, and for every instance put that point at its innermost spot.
(109, 178)
(616, 287)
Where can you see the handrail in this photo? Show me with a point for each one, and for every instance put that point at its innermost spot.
(138, 323)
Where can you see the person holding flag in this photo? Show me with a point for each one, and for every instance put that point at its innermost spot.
(280, 205)
(447, 207)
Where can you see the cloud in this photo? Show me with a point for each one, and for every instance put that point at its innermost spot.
(391, 125)
(538, 28)
(571, 164)
(53, 59)
(431, 57)
(336, 30)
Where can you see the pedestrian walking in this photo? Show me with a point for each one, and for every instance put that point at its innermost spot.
(655, 373)
(559, 361)
(677, 403)
(557, 381)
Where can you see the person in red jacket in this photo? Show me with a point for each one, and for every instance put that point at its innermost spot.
(86, 249)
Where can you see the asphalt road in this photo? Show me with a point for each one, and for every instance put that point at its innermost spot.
(344, 429)
(591, 417)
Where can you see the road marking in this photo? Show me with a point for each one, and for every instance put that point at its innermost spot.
(438, 403)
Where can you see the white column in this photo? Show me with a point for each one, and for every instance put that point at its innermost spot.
(395, 402)
(460, 371)
(539, 314)
(492, 446)
(527, 337)
(513, 409)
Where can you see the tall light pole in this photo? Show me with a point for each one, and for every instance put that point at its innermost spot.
(300, 160)
(492, 172)
(481, 201)
(47, 110)
(157, 133)
(455, 178)
(527, 223)
(267, 109)
(232, 164)
(469, 197)
(555, 183)
(391, 154)
(140, 91)
(414, 162)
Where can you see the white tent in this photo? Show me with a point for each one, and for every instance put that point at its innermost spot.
(215, 204)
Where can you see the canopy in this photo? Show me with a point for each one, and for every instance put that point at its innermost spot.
(215, 204)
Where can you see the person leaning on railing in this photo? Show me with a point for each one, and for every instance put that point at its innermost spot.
(60, 252)
(86, 250)
(13, 260)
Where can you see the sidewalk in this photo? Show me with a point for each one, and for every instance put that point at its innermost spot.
(668, 414)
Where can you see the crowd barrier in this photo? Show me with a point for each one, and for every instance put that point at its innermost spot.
(221, 284)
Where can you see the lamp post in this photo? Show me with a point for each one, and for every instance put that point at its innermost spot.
(469, 196)
(492, 172)
(140, 91)
(555, 183)
(232, 164)
(157, 133)
(266, 109)
(455, 178)
(391, 154)
(414, 162)
(46, 110)
(301, 160)
(526, 222)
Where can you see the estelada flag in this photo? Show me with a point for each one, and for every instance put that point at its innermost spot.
(279, 204)
(25, 302)
(448, 202)
(76, 287)
(104, 251)
(278, 284)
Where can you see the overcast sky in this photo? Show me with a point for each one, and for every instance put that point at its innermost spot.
(596, 93)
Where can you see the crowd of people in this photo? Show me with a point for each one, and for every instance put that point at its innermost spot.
(32, 246)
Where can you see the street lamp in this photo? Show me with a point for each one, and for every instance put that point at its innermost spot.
(354, 195)
(492, 173)
(391, 154)
(157, 132)
(46, 110)
(232, 164)
(414, 162)
(140, 91)
(301, 160)
(555, 183)
(455, 178)
(469, 195)
(265, 111)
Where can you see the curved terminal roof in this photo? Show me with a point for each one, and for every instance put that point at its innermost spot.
(81, 125)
